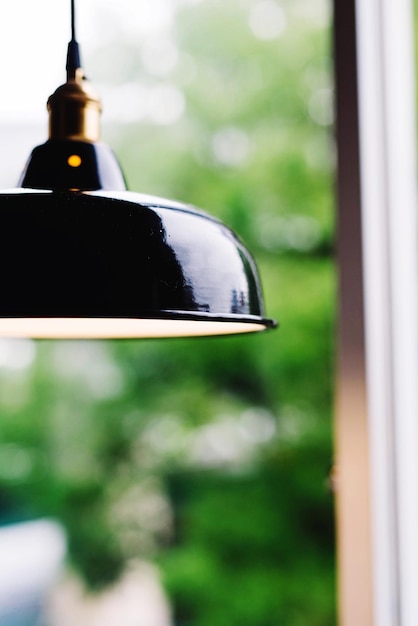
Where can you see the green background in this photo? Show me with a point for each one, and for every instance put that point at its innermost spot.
(209, 457)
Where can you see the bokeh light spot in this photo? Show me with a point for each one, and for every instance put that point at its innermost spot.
(267, 20)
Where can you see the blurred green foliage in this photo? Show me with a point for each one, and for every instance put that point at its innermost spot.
(208, 455)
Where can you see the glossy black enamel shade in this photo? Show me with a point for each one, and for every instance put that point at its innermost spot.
(119, 264)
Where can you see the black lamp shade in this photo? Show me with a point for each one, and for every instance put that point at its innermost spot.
(49, 167)
(120, 264)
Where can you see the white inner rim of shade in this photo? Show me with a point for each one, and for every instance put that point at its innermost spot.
(102, 328)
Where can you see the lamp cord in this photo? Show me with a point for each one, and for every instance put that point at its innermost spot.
(73, 37)
(73, 54)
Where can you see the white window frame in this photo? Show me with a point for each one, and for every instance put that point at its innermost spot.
(386, 402)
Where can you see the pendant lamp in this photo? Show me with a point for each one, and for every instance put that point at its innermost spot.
(82, 257)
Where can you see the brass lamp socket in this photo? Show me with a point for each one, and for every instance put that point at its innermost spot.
(74, 110)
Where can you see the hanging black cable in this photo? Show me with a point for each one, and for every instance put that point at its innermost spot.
(73, 54)
(73, 37)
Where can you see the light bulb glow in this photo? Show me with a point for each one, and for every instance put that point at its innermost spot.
(122, 328)
(74, 160)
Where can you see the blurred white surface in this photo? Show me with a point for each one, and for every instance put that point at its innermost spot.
(138, 600)
(31, 555)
